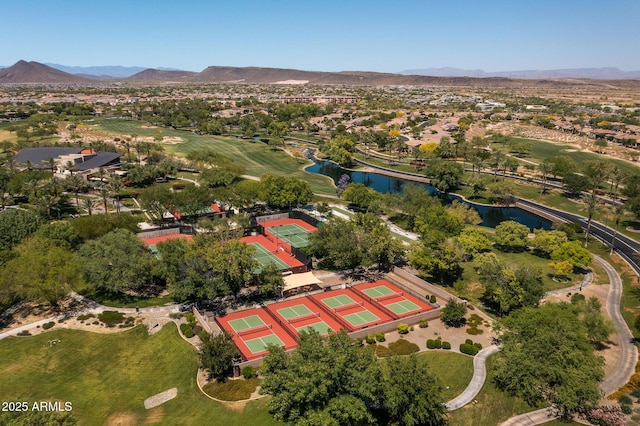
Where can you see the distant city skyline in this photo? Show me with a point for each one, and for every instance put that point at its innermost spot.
(492, 35)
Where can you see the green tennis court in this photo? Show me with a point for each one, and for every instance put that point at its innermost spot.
(337, 301)
(265, 257)
(374, 292)
(294, 311)
(402, 307)
(321, 327)
(246, 322)
(259, 344)
(292, 233)
(362, 317)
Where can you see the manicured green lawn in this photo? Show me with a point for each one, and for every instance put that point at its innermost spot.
(107, 376)
(257, 157)
(492, 407)
(453, 370)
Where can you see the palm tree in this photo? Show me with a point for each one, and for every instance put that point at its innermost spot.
(116, 185)
(31, 187)
(592, 205)
(545, 169)
(89, 204)
(497, 159)
(618, 212)
(104, 191)
(70, 165)
(48, 202)
(75, 183)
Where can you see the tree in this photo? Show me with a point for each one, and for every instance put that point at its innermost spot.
(360, 195)
(507, 287)
(575, 183)
(88, 204)
(546, 356)
(330, 379)
(573, 252)
(157, 201)
(591, 205)
(115, 186)
(41, 271)
(562, 165)
(270, 282)
(545, 168)
(546, 242)
(284, 191)
(618, 213)
(442, 263)
(15, 225)
(412, 395)
(117, 262)
(453, 313)
(511, 235)
(445, 175)
(75, 184)
(473, 241)
(216, 354)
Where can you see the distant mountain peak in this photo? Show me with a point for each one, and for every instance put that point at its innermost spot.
(35, 72)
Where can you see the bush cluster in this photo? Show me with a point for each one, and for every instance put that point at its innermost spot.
(48, 325)
(403, 328)
(380, 336)
(249, 372)
(446, 345)
(402, 347)
(470, 348)
(186, 330)
(111, 318)
(432, 298)
(371, 338)
(423, 323)
(85, 317)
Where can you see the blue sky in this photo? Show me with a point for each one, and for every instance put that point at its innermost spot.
(372, 35)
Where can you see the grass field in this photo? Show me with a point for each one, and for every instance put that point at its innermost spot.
(453, 370)
(110, 376)
(257, 157)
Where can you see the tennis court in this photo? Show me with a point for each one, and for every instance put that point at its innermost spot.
(352, 308)
(265, 257)
(253, 330)
(392, 298)
(292, 233)
(303, 314)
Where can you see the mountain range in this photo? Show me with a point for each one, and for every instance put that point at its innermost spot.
(607, 73)
(24, 72)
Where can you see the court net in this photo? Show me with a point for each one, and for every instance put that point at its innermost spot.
(303, 317)
(389, 296)
(348, 306)
(255, 329)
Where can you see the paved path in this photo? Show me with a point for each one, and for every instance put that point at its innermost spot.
(477, 381)
(92, 308)
(626, 362)
(586, 281)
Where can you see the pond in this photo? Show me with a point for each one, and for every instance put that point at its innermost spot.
(491, 215)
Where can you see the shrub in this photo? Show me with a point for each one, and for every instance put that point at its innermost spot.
(202, 334)
(191, 319)
(85, 317)
(577, 298)
(382, 351)
(432, 299)
(48, 325)
(468, 349)
(478, 345)
(403, 328)
(402, 347)
(468, 342)
(359, 341)
(380, 336)
(636, 392)
(411, 328)
(24, 333)
(625, 400)
(431, 344)
(176, 315)
(186, 330)
(249, 372)
(626, 408)
(423, 323)
(474, 331)
(446, 345)
(111, 318)
(371, 338)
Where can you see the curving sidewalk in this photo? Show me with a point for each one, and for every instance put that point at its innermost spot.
(477, 381)
(625, 366)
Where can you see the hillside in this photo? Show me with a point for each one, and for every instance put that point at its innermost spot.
(162, 76)
(35, 72)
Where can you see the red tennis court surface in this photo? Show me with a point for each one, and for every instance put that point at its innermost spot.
(302, 314)
(400, 304)
(155, 240)
(253, 329)
(351, 309)
(274, 250)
